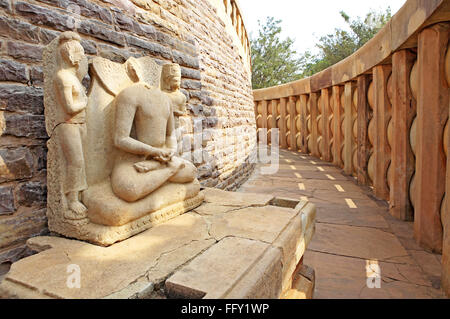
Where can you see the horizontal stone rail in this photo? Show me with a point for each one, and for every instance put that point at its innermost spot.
(382, 116)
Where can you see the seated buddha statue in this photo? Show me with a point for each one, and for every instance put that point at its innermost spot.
(146, 143)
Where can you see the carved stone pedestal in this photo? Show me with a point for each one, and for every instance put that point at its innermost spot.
(235, 245)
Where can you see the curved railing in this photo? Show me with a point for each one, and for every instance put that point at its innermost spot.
(381, 115)
(230, 13)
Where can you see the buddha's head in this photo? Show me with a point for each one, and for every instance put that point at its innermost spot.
(171, 77)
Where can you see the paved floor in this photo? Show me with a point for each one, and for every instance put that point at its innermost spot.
(353, 231)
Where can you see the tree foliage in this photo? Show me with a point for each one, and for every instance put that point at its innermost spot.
(274, 61)
(341, 44)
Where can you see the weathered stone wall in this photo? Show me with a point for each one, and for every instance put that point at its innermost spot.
(216, 80)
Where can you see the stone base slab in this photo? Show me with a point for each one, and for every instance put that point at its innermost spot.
(108, 235)
(234, 245)
(303, 284)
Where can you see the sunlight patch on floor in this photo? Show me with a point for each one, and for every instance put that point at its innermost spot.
(350, 203)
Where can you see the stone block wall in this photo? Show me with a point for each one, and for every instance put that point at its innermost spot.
(220, 128)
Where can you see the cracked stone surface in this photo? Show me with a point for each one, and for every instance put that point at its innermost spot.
(348, 238)
(233, 240)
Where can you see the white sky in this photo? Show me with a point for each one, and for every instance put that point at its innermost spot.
(306, 21)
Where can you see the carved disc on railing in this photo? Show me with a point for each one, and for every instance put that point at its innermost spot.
(343, 126)
(444, 210)
(259, 121)
(355, 100)
(269, 122)
(310, 143)
(331, 148)
(370, 95)
(390, 132)
(331, 124)
(413, 135)
(414, 81)
(288, 122)
(320, 124)
(319, 105)
(355, 129)
(390, 89)
(298, 123)
(413, 190)
(389, 176)
(308, 121)
(447, 66)
(260, 108)
(320, 145)
(371, 168)
(446, 137)
(355, 160)
(372, 131)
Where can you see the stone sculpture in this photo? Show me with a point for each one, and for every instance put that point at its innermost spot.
(67, 117)
(170, 84)
(119, 141)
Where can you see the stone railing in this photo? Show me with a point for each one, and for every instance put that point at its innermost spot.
(230, 13)
(381, 115)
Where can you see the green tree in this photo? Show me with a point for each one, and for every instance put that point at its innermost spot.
(274, 61)
(341, 44)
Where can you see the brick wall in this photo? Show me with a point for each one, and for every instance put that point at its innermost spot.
(215, 79)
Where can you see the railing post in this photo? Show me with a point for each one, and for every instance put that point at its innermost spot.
(274, 110)
(445, 214)
(325, 101)
(403, 113)
(304, 122)
(348, 126)
(363, 122)
(293, 130)
(233, 14)
(337, 159)
(264, 113)
(432, 114)
(314, 114)
(382, 116)
(283, 102)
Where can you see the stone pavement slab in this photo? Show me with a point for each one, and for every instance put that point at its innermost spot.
(341, 215)
(233, 246)
(352, 229)
(346, 278)
(361, 242)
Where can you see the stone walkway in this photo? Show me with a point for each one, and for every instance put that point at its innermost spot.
(352, 230)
